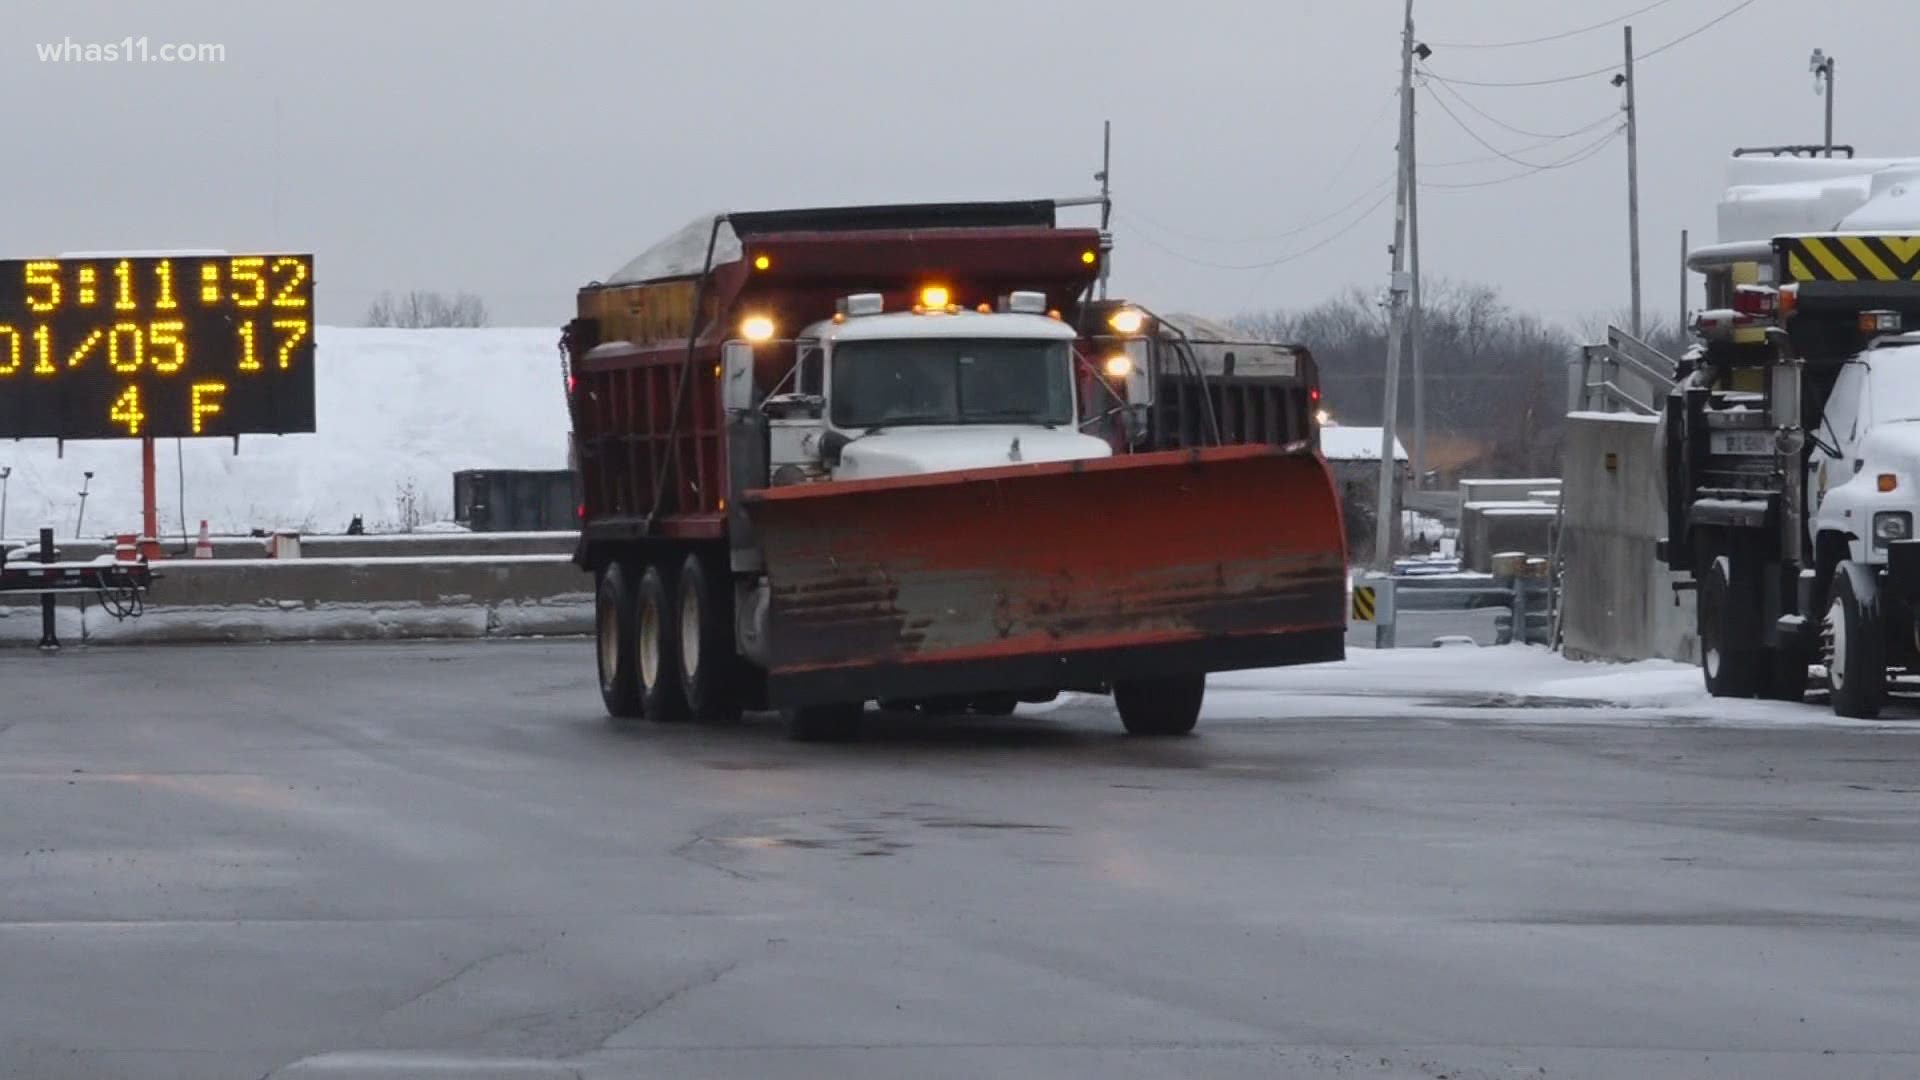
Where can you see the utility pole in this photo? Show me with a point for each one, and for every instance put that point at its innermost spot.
(1386, 518)
(1822, 67)
(1633, 182)
(1416, 317)
(1106, 202)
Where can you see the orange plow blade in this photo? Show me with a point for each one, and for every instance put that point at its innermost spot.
(1052, 575)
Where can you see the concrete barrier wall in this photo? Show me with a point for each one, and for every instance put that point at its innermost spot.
(384, 545)
(1618, 601)
(307, 599)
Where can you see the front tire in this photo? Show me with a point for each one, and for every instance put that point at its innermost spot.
(1160, 707)
(710, 674)
(1730, 671)
(1856, 661)
(613, 639)
(656, 640)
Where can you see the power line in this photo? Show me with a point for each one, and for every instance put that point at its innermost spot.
(1434, 81)
(1338, 174)
(1266, 264)
(1475, 136)
(1616, 20)
(1612, 117)
(1139, 218)
(1572, 159)
(1689, 35)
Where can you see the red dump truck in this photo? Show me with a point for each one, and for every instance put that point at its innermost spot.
(897, 454)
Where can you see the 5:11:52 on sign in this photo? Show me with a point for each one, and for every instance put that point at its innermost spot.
(111, 346)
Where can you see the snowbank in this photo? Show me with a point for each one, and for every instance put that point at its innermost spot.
(399, 411)
(1518, 683)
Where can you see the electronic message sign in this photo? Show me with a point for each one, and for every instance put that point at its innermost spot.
(110, 346)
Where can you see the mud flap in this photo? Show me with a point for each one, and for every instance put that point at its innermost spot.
(1051, 575)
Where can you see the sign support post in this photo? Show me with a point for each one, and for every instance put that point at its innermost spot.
(149, 501)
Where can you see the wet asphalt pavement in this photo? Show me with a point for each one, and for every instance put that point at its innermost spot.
(438, 860)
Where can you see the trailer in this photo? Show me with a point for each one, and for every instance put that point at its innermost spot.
(1793, 472)
(897, 454)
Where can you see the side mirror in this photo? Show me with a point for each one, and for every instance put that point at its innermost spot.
(831, 444)
(736, 376)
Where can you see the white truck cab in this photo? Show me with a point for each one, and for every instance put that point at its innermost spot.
(926, 391)
(1863, 471)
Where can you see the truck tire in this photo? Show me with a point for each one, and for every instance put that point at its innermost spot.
(613, 641)
(825, 723)
(1729, 672)
(1159, 707)
(710, 674)
(656, 640)
(1855, 643)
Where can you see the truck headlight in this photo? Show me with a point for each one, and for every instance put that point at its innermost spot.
(1891, 525)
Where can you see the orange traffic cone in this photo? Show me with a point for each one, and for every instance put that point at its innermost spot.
(203, 547)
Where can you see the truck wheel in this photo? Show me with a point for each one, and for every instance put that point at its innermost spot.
(710, 672)
(656, 640)
(613, 618)
(1730, 672)
(1168, 706)
(825, 723)
(1856, 649)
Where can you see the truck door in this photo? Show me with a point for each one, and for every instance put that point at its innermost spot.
(1836, 457)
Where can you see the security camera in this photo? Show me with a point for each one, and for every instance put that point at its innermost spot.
(88, 474)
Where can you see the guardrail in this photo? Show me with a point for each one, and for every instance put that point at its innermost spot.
(1620, 374)
(1520, 593)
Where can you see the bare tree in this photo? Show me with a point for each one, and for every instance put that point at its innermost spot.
(1496, 378)
(421, 308)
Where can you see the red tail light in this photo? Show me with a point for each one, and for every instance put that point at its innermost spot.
(580, 511)
(571, 383)
(1313, 394)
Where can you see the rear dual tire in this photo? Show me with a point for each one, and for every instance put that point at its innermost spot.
(664, 643)
(614, 610)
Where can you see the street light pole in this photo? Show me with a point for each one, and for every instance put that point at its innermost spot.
(1822, 67)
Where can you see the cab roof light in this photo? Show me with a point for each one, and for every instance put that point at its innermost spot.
(1887, 481)
(1880, 322)
(935, 297)
(860, 303)
(1024, 302)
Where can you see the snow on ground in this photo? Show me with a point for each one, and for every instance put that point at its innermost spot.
(398, 412)
(1511, 683)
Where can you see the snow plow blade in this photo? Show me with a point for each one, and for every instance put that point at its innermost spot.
(1050, 576)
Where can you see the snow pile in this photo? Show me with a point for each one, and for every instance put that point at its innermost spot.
(1515, 683)
(398, 412)
(1339, 442)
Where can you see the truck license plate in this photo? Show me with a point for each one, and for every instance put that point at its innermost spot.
(1741, 442)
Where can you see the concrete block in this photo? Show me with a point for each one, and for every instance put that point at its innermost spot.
(309, 599)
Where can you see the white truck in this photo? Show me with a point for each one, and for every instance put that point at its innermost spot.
(1793, 470)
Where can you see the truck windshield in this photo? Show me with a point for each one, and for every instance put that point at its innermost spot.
(951, 381)
(1893, 383)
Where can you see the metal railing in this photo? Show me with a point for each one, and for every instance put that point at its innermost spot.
(1621, 374)
(1521, 593)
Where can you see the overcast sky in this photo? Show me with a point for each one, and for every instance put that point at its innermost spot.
(517, 150)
